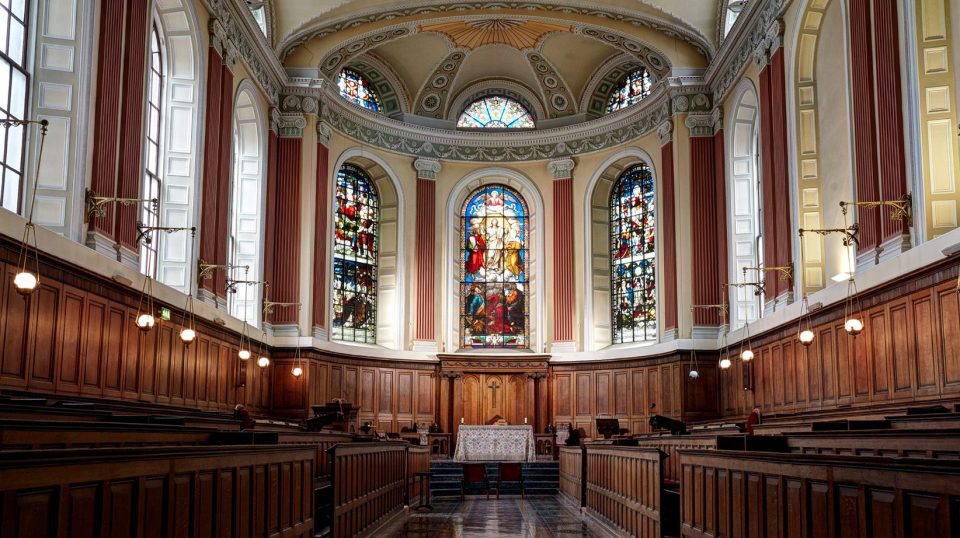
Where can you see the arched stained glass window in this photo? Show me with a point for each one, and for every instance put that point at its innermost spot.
(357, 90)
(149, 213)
(494, 274)
(632, 89)
(355, 246)
(496, 112)
(633, 281)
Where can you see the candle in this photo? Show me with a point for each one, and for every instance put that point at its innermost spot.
(461, 420)
(524, 420)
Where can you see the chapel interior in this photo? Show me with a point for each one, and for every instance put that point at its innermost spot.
(395, 268)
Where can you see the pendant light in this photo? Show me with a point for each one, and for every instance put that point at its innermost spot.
(244, 352)
(852, 311)
(27, 280)
(746, 353)
(725, 362)
(188, 332)
(145, 319)
(263, 361)
(804, 329)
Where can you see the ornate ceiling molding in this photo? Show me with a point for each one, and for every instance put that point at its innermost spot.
(596, 93)
(389, 86)
(475, 33)
(556, 95)
(240, 28)
(609, 131)
(750, 33)
(509, 88)
(433, 98)
(319, 27)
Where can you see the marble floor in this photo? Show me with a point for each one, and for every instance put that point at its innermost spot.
(531, 517)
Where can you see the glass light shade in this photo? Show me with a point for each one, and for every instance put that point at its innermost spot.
(145, 322)
(244, 354)
(725, 363)
(853, 326)
(746, 356)
(806, 337)
(188, 335)
(297, 371)
(263, 362)
(694, 374)
(25, 282)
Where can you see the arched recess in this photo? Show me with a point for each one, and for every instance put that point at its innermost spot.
(247, 195)
(744, 202)
(598, 326)
(180, 149)
(527, 97)
(823, 138)
(604, 80)
(393, 95)
(535, 264)
(390, 259)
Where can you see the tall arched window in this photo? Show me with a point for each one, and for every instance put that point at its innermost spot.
(149, 213)
(13, 99)
(745, 209)
(633, 282)
(494, 275)
(246, 218)
(631, 90)
(356, 244)
(357, 90)
(496, 112)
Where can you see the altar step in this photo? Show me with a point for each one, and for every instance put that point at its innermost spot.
(539, 478)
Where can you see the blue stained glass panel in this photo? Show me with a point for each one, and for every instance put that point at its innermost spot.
(633, 282)
(631, 90)
(356, 89)
(495, 112)
(493, 269)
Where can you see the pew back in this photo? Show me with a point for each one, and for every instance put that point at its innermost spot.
(670, 444)
(933, 444)
(187, 491)
(369, 484)
(572, 467)
(321, 443)
(623, 488)
(733, 493)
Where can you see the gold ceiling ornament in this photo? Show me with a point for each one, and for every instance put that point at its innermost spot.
(517, 33)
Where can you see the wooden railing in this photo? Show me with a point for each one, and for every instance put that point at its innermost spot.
(572, 468)
(369, 484)
(187, 491)
(932, 444)
(321, 442)
(669, 444)
(733, 493)
(623, 488)
(418, 461)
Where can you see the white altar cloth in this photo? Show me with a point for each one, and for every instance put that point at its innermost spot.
(496, 443)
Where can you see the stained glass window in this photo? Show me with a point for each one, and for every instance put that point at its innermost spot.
(355, 245)
(356, 89)
(149, 215)
(633, 281)
(14, 82)
(495, 112)
(493, 269)
(259, 12)
(632, 89)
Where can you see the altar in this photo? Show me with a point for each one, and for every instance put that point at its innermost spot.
(496, 443)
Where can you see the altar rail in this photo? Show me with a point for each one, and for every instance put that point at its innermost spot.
(733, 493)
(623, 488)
(370, 483)
(572, 467)
(159, 491)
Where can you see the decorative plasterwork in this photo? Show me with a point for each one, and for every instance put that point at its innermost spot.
(433, 98)
(604, 81)
(665, 132)
(427, 168)
(717, 117)
(240, 28)
(291, 124)
(556, 96)
(473, 34)
(302, 104)
(514, 90)
(390, 89)
(561, 168)
(656, 61)
(479, 363)
(334, 61)
(738, 49)
(699, 124)
(324, 132)
(573, 7)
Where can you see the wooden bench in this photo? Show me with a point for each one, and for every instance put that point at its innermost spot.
(932, 444)
(732, 493)
(669, 444)
(572, 468)
(623, 488)
(182, 491)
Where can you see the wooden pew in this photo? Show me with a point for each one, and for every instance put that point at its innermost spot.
(48, 434)
(572, 470)
(731, 493)
(184, 491)
(932, 444)
(623, 488)
(418, 461)
(669, 444)
(320, 442)
(369, 484)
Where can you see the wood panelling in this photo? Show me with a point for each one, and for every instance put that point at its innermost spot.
(623, 488)
(906, 353)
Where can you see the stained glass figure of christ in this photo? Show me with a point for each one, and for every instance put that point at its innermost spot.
(633, 282)
(493, 269)
(355, 247)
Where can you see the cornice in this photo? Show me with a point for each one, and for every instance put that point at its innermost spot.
(316, 28)
(239, 27)
(737, 50)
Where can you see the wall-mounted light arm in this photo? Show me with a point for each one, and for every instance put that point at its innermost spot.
(205, 270)
(759, 288)
(902, 208)
(232, 285)
(144, 231)
(849, 234)
(785, 271)
(96, 206)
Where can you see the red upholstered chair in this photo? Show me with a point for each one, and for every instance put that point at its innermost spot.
(474, 477)
(510, 472)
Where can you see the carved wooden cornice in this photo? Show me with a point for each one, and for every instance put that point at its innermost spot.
(460, 363)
